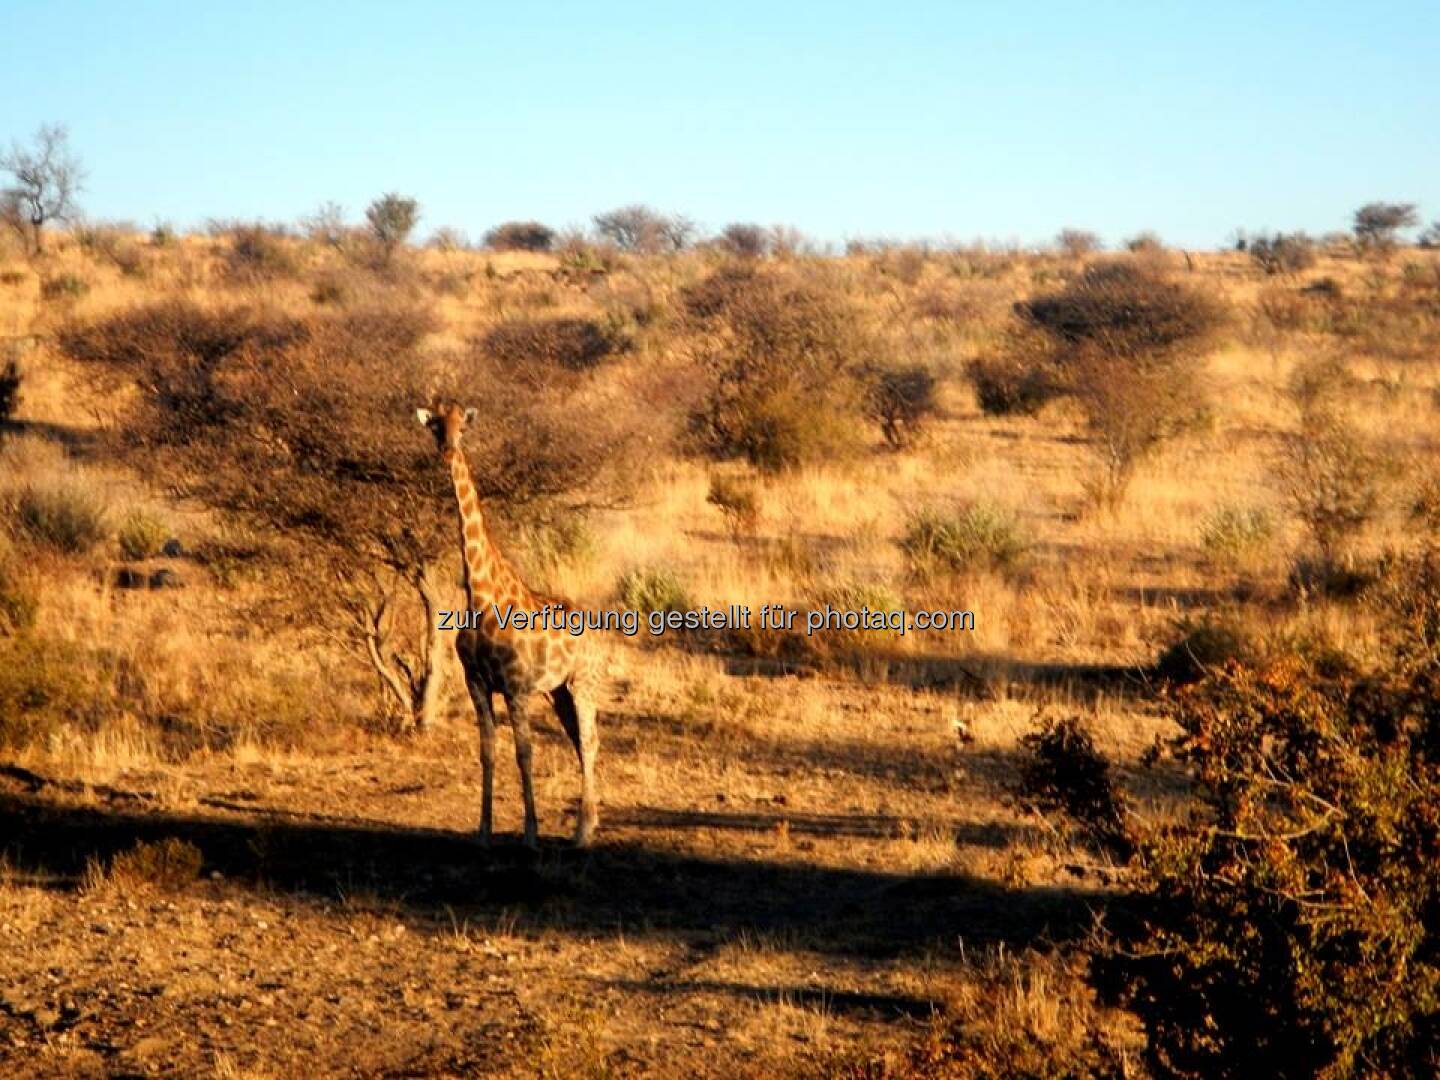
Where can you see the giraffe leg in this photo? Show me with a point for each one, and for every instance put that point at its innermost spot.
(577, 717)
(485, 715)
(520, 723)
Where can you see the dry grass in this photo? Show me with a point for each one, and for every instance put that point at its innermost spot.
(847, 783)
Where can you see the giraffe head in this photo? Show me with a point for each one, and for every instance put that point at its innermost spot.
(446, 422)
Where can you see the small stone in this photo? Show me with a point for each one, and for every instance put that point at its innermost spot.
(127, 577)
(172, 548)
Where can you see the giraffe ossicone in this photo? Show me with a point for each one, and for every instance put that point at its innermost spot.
(509, 660)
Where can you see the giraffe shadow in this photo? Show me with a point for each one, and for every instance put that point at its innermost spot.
(618, 887)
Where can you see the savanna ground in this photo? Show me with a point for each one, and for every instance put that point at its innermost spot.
(221, 859)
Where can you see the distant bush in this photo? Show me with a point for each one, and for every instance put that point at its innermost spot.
(257, 252)
(1124, 311)
(1077, 243)
(653, 589)
(1010, 384)
(573, 344)
(1377, 223)
(520, 236)
(900, 398)
(1145, 243)
(63, 287)
(1283, 253)
(391, 219)
(331, 289)
(640, 228)
(745, 240)
(162, 235)
(65, 517)
(1125, 344)
(1206, 643)
(738, 502)
(981, 536)
(781, 364)
(141, 535)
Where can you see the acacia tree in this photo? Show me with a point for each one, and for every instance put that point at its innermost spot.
(1377, 223)
(642, 229)
(306, 429)
(392, 218)
(48, 177)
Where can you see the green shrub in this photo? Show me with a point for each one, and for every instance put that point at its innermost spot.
(142, 535)
(63, 287)
(65, 517)
(653, 589)
(1235, 533)
(981, 536)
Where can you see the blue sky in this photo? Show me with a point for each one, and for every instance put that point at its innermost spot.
(998, 121)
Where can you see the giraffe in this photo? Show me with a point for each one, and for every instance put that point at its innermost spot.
(510, 661)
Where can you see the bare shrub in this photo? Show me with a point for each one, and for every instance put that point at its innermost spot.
(1331, 477)
(1077, 243)
(520, 236)
(47, 181)
(64, 287)
(640, 228)
(1282, 253)
(167, 865)
(900, 398)
(780, 362)
(1145, 243)
(327, 225)
(571, 344)
(738, 502)
(257, 252)
(746, 240)
(391, 219)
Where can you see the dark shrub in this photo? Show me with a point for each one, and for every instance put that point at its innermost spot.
(63, 287)
(1288, 927)
(257, 252)
(10, 379)
(1063, 773)
(569, 343)
(1206, 644)
(520, 236)
(1077, 243)
(745, 240)
(391, 219)
(900, 398)
(1377, 223)
(1124, 310)
(1008, 384)
(1283, 253)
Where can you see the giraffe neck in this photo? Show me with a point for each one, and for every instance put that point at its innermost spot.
(489, 577)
